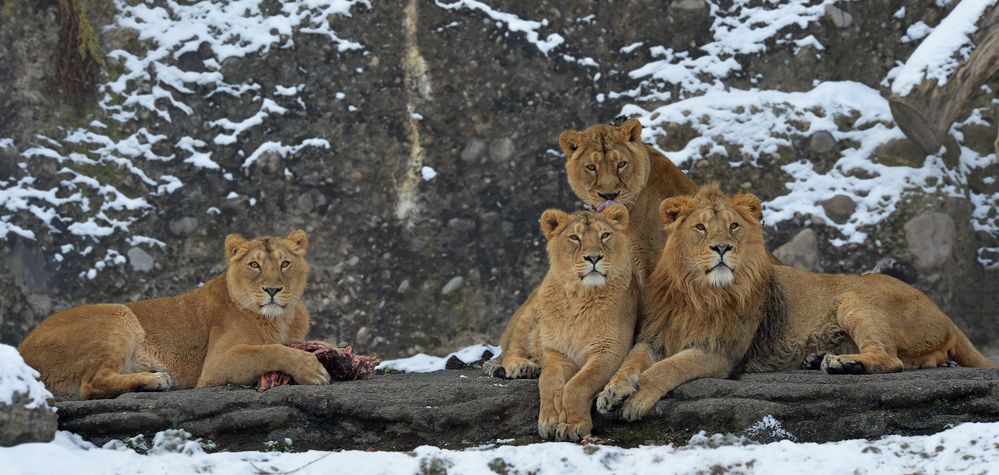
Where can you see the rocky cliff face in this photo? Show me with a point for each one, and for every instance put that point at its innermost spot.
(416, 142)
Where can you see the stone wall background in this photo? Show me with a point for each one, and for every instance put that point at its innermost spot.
(490, 106)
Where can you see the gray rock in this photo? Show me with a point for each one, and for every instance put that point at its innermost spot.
(473, 151)
(689, 5)
(311, 200)
(462, 408)
(185, 226)
(452, 285)
(140, 260)
(501, 150)
(839, 208)
(931, 237)
(461, 225)
(822, 142)
(20, 424)
(839, 17)
(802, 251)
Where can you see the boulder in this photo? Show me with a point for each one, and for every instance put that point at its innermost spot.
(802, 251)
(462, 408)
(931, 236)
(25, 415)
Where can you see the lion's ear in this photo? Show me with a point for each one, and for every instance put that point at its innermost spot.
(673, 208)
(550, 221)
(233, 242)
(299, 241)
(617, 214)
(631, 130)
(570, 141)
(749, 203)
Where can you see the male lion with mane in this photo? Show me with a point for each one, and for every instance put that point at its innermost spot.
(585, 322)
(228, 331)
(609, 164)
(716, 305)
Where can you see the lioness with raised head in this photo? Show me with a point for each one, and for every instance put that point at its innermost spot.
(716, 305)
(608, 164)
(585, 324)
(228, 331)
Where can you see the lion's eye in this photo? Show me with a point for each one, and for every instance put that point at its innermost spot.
(700, 227)
(734, 226)
(622, 164)
(604, 236)
(254, 265)
(285, 264)
(574, 237)
(591, 167)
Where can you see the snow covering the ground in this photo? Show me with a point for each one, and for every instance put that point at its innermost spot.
(16, 377)
(967, 448)
(423, 363)
(937, 56)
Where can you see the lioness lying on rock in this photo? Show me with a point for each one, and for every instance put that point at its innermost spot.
(228, 331)
(585, 323)
(716, 305)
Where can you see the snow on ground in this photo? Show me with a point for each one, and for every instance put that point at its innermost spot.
(967, 448)
(424, 363)
(16, 377)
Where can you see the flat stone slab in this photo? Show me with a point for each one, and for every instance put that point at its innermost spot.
(461, 408)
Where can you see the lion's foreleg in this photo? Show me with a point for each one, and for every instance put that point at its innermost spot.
(517, 361)
(556, 371)
(577, 397)
(243, 364)
(624, 383)
(664, 376)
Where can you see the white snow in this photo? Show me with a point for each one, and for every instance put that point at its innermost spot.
(428, 173)
(967, 448)
(17, 378)
(916, 31)
(529, 28)
(937, 56)
(423, 363)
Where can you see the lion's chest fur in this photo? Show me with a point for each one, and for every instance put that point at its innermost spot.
(583, 325)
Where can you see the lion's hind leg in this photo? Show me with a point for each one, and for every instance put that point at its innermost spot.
(109, 364)
(872, 330)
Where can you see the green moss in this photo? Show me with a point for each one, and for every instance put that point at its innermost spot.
(89, 46)
(653, 431)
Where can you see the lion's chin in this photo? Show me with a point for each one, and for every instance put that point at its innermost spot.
(594, 279)
(721, 277)
(271, 310)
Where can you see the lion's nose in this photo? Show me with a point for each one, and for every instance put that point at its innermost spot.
(593, 258)
(272, 290)
(608, 196)
(721, 249)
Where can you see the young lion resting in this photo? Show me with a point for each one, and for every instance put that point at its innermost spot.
(586, 320)
(717, 305)
(229, 331)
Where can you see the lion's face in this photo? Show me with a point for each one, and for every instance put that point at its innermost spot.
(267, 275)
(606, 163)
(587, 248)
(713, 238)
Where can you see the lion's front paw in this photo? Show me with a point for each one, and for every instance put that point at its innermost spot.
(835, 364)
(639, 404)
(309, 371)
(573, 432)
(493, 369)
(813, 361)
(521, 369)
(160, 382)
(615, 393)
(547, 424)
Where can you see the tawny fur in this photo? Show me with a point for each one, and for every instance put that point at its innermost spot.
(227, 331)
(621, 164)
(585, 322)
(700, 321)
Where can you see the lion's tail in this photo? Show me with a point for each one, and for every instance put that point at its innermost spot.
(965, 353)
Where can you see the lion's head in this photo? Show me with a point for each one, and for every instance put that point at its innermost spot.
(606, 163)
(713, 240)
(587, 248)
(267, 275)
